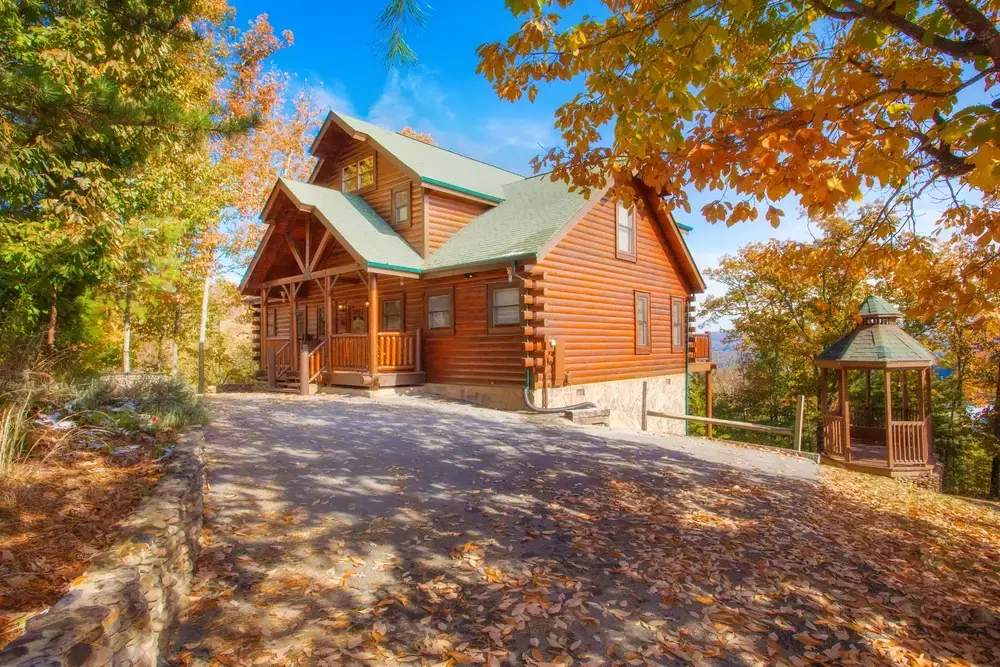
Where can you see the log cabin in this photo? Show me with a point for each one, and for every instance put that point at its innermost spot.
(403, 266)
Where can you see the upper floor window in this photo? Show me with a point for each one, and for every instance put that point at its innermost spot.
(625, 227)
(401, 206)
(677, 324)
(359, 175)
(642, 345)
(392, 315)
(505, 307)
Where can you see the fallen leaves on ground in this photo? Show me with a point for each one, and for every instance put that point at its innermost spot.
(58, 509)
(663, 568)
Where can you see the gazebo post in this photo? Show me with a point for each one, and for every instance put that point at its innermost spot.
(906, 396)
(888, 417)
(868, 397)
(920, 394)
(845, 411)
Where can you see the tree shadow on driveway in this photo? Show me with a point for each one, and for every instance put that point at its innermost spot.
(361, 532)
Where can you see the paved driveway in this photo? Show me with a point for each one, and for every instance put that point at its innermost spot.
(348, 530)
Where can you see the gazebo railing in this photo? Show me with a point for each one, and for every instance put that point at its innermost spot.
(909, 442)
(833, 434)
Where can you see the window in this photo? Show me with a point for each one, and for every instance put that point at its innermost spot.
(505, 307)
(642, 345)
(440, 316)
(359, 175)
(321, 321)
(401, 206)
(300, 322)
(625, 226)
(272, 322)
(392, 314)
(677, 324)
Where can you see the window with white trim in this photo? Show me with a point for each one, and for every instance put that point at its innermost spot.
(625, 228)
(505, 306)
(439, 310)
(401, 206)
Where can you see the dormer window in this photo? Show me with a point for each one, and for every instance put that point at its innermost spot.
(625, 228)
(358, 176)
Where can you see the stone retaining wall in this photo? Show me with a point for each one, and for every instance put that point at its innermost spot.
(120, 612)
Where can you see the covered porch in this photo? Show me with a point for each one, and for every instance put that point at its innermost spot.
(340, 343)
(332, 282)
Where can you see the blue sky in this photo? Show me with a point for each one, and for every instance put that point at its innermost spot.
(333, 56)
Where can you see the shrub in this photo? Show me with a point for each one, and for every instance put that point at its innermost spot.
(132, 401)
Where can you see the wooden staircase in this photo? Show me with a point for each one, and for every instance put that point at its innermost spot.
(289, 384)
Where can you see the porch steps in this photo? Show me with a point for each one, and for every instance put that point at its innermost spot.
(291, 386)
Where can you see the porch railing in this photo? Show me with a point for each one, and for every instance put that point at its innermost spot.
(319, 359)
(283, 353)
(350, 352)
(397, 351)
(833, 434)
(909, 442)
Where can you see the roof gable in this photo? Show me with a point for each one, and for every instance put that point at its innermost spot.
(431, 165)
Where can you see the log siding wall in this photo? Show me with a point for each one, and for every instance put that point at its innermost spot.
(589, 298)
(446, 215)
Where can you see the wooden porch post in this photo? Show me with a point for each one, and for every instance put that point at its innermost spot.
(888, 417)
(373, 322)
(418, 363)
(293, 322)
(263, 328)
(845, 411)
(708, 402)
(328, 293)
(821, 433)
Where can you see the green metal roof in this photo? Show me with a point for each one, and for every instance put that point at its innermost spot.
(534, 210)
(876, 305)
(438, 166)
(877, 343)
(350, 218)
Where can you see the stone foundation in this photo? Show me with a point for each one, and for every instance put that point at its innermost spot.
(622, 397)
(120, 612)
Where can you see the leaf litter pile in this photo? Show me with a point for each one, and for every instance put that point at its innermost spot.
(61, 506)
(665, 568)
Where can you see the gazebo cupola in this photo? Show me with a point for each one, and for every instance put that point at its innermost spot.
(882, 427)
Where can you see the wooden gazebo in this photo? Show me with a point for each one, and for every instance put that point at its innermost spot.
(890, 435)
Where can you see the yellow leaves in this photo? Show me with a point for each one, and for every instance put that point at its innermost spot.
(705, 599)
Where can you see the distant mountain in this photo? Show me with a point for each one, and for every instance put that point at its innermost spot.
(725, 355)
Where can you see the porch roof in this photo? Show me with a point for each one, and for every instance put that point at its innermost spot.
(355, 225)
(877, 343)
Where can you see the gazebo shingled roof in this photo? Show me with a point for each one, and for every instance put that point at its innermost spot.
(877, 340)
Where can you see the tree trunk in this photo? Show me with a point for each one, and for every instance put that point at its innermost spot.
(995, 466)
(201, 335)
(51, 337)
(175, 341)
(127, 343)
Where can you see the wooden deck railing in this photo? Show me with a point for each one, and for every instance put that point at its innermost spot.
(350, 352)
(833, 434)
(397, 351)
(909, 442)
(283, 353)
(319, 360)
(702, 347)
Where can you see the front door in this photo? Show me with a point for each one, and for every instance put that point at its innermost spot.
(359, 319)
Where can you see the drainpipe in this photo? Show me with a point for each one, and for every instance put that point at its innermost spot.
(512, 273)
(687, 360)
